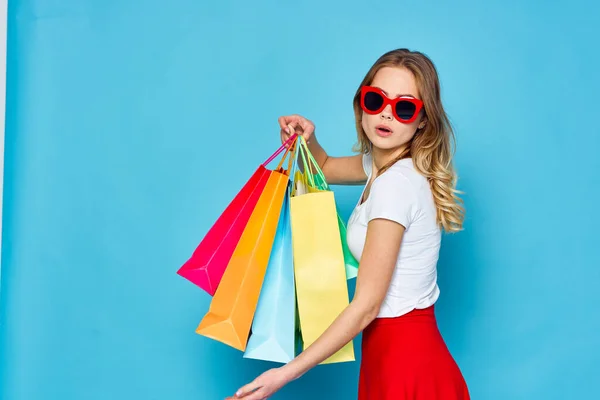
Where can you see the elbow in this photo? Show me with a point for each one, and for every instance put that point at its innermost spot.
(369, 310)
(371, 314)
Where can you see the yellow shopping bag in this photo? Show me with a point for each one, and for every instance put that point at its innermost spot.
(319, 269)
(302, 186)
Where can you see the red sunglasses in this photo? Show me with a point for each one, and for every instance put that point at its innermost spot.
(405, 109)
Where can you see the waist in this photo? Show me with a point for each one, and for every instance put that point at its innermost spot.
(417, 315)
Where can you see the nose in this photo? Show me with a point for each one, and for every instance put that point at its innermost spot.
(387, 113)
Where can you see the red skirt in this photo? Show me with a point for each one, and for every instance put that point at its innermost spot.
(406, 358)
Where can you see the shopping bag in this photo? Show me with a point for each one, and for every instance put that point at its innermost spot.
(319, 271)
(273, 332)
(207, 264)
(233, 305)
(350, 262)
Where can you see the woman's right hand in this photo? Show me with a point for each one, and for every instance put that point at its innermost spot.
(291, 124)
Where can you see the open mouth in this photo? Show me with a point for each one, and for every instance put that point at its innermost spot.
(383, 130)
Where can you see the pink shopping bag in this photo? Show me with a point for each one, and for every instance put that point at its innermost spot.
(207, 264)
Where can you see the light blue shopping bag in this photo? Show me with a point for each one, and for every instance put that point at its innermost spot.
(274, 328)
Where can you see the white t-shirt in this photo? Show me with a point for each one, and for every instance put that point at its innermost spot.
(403, 195)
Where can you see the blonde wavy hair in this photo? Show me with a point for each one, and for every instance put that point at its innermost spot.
(432, 147)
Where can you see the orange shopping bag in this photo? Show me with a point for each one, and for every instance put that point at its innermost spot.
(233, 306)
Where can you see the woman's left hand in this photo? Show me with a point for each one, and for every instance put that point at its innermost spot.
(264, 386)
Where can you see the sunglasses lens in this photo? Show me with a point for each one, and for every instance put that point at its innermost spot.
(405, 109)
(373, 101)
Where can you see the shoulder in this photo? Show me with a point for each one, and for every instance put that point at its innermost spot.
(394, 195)
(402, 176)
(407, 170)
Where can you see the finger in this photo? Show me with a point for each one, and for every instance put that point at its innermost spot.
(283, 122)
(258, 395)
(244, 391)
(287, 120)
(295, 120)
(291, 129)
(300, 121)
(307, 127)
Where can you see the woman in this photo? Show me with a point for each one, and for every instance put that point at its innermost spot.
(395, 231)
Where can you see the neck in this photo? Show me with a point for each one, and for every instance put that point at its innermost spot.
(383, 156)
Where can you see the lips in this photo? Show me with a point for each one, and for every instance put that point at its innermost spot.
(383, 130)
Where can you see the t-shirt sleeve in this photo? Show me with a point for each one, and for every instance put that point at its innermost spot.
(392, 197)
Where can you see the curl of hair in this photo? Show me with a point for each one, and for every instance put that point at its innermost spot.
(432, 147)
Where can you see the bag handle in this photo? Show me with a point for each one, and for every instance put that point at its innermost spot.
(303, 151)
(294, 160)
(279, 150)
(312, 163)
(293, 155)
(291, 150)
(294, 170)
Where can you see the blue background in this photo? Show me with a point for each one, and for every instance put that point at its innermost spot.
(130, 126)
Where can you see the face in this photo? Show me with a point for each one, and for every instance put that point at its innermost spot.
(383, 129)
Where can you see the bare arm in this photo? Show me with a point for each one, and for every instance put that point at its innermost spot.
(337, 170)
(374, 275)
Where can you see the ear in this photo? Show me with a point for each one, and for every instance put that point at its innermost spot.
(423, 123)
